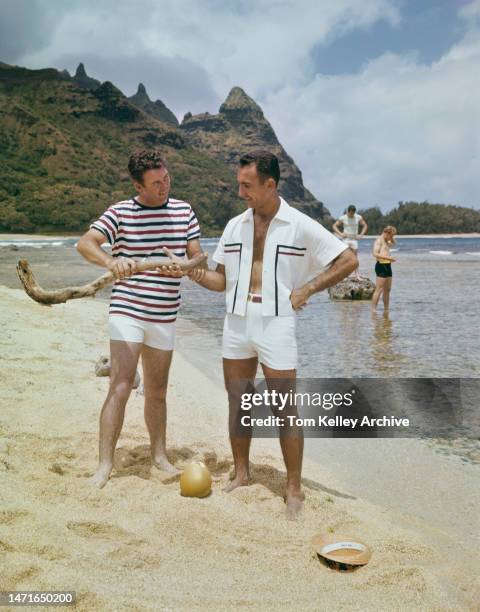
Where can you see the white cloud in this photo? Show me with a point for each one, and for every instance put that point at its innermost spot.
(398, 130)
(257, 44)
(470, 12)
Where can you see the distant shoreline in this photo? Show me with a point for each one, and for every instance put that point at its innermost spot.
(38, 236)
(442, 235)
(6, 236)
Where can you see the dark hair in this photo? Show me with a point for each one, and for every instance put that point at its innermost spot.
(351, 208)
(266, 164)
(141, 161)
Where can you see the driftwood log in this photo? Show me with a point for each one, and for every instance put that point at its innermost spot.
(59, 296)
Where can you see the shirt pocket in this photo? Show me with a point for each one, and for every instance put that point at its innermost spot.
(289, 264)
(289, 269)
(233, 255)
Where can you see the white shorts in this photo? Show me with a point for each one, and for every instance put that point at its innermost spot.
(156, 335)
(353, 244)
(271, 339)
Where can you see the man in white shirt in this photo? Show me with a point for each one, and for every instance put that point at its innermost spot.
(351, 222)
(269, 261)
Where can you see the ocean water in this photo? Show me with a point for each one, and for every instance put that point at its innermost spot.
(431, 330)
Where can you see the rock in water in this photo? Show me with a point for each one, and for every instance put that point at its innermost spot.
(102, 368)
(352, 289)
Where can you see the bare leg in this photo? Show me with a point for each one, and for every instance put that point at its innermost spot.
(156, 366)
(124, 359)
(236, 373)
(386, 293)
(291, 441)
(356, 272)
(379, 287)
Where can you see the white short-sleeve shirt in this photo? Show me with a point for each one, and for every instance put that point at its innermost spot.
(297, 248)
(350, 225)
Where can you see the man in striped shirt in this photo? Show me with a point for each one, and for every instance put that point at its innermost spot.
(143, 306)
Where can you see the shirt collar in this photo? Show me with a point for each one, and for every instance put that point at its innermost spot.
(145, 207)
(283, 213)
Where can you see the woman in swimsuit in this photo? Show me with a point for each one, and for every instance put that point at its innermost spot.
(383, 267)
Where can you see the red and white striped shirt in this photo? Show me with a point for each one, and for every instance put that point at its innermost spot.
(136, 230)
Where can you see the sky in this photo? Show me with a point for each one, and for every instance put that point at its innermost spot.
(377, 101)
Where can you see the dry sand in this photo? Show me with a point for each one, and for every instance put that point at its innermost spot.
(139, 545)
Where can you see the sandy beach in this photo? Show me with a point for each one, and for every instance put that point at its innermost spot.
(137, 544)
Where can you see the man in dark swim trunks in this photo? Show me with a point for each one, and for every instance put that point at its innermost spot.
(383, 267)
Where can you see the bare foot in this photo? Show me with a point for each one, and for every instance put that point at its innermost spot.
(294, 505)
(101, 476)
(243, 481)
(162, 463)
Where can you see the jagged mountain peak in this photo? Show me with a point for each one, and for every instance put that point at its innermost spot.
(238, 100)
(142, 90)
(239, 127)
(82, 79)
(156, 109)
(81, 72)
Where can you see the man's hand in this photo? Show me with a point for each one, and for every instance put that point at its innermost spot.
(338, 269)
(172, 268)
(197, 274)
(210, 279)
(122, 267)
(299, 297)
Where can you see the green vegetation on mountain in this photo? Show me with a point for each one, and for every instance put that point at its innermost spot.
(65, 143)
(423, 218)
(65, 150)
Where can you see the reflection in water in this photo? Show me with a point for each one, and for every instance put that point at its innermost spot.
(385, 360)
(350, 340)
